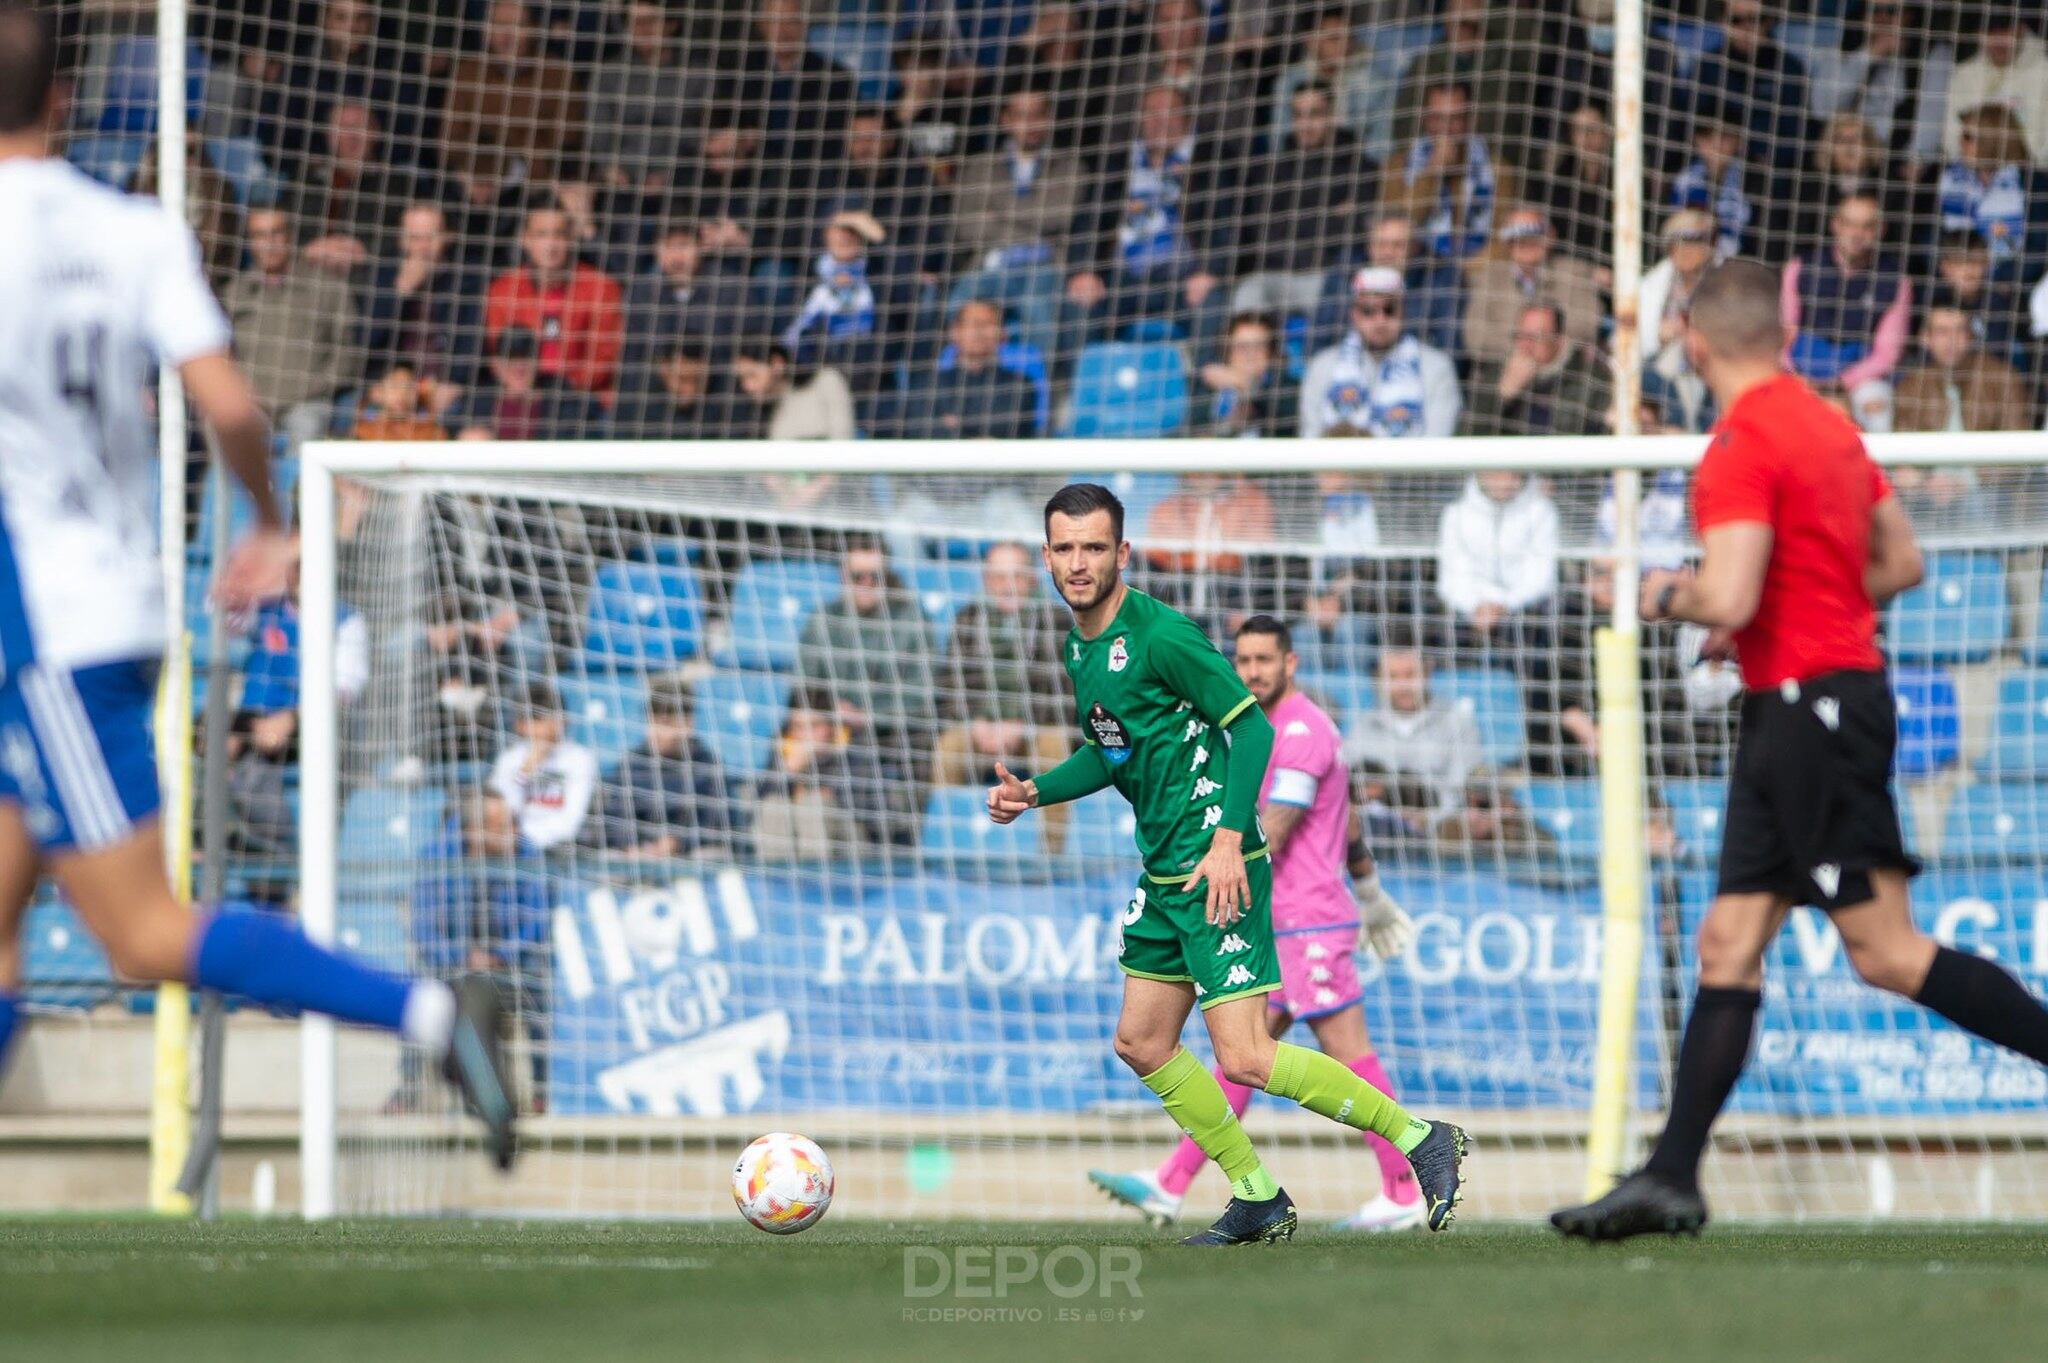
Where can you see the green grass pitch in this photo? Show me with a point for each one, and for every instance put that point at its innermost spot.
(574, 1292)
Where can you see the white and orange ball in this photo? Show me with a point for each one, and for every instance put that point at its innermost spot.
(782, 1183)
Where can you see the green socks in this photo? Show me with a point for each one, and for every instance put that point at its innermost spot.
(1193, 1098)
(1328, 1089)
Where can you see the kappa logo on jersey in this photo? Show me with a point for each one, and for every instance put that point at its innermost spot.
(1316, 951)
(1296, 728)
(1828, 877)
(1830, 711)
(1119, 656)
(1109, 735)
(1239, 974)
(1137, 908)
(1232, 944)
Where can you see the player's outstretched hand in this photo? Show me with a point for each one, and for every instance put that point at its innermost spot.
(1008, 797)
(258, 569)
(1229, 895)
(1389, 930)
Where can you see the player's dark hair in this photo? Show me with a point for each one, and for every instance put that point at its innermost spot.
(539, 700)
(1735, 308)
(1085, 499)
(671, 696)
(28, 65)
(1269, 627)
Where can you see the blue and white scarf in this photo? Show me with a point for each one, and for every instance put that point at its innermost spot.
(1996, 212)
(1446, 232)
(1151, 240)
(1381, 397)
(842, 300)
(1728, 201)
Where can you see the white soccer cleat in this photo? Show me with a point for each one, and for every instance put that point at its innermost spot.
(1382, 1215)
(1141, 1192)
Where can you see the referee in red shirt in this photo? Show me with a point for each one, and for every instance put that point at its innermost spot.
(1802, 538)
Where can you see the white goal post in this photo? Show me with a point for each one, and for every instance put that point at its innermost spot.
(1822, 1133)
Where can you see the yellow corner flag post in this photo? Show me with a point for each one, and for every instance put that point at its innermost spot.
(1621, 896)
(170, 1106)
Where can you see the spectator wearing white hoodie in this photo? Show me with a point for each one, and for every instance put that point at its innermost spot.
(1496, 560)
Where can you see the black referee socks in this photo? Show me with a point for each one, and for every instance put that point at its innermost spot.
(1710, 1060)
(1987, 999)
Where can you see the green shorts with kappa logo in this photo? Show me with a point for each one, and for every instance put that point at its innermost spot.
(1168, 937)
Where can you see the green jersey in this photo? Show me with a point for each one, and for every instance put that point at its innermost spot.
(1153, 695)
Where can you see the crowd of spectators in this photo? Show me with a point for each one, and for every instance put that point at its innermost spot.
(697, 211)
(516, 219)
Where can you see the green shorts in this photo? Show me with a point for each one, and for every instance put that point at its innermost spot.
(1167, 937)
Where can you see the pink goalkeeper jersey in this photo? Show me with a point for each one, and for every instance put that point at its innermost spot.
(1311, 888)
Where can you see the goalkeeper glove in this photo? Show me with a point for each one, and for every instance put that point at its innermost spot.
(1388, 930)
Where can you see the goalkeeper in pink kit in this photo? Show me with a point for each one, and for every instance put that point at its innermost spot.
(1325, 887)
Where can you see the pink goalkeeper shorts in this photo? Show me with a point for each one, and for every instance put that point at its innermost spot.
(1318, 970)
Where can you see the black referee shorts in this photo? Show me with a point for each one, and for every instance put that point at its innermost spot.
(1810, 810)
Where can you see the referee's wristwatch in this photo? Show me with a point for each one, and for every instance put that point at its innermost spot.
(1663, 601)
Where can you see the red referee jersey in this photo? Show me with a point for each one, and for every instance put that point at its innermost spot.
(1782, 456)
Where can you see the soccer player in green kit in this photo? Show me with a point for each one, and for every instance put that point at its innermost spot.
(1166, 721)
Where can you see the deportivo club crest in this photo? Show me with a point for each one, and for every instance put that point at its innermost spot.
(1118, 654)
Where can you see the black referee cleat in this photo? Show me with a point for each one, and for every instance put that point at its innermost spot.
(1641, 1204)
(1439, 1164)
(1251, 1223)
(475, 1063)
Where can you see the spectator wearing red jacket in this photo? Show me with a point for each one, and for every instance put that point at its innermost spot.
(574, 309)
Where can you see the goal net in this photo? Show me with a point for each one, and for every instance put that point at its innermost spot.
(696, 763)
(993, 220)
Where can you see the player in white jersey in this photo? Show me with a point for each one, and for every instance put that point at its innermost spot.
(97, 291)
(1325, 887)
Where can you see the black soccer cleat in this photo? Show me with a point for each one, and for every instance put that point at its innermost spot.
(1641, 1204)
(1439, 1164)
(475, 1063)
(1251, 1223)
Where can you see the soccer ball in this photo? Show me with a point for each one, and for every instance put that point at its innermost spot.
(782, 1183)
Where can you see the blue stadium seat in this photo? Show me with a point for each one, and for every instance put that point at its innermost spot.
(942, 587)
(1025, 361)
(1101, 833)
(129, 89)
(1957, 614)
(1929, 729)
(739, 714)
(110, 158)
(643, 614)
(2019, 728)
(1569, 810)
(1139, 492)
(607, 712)
(1128, 391)
(863, 49)
(1343, 692)
(771, 599)
(284, 481)
(60, 962)
(1494, 700)
(240, 162)
(1696, 807)
(387, 827)
(1997, 820)
(957, 830)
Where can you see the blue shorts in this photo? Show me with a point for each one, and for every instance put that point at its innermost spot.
(77, 753)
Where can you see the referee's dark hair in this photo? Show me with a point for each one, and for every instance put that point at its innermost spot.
(1084, 499)
(1735, 310)
(28, 66)
(1269, 626)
